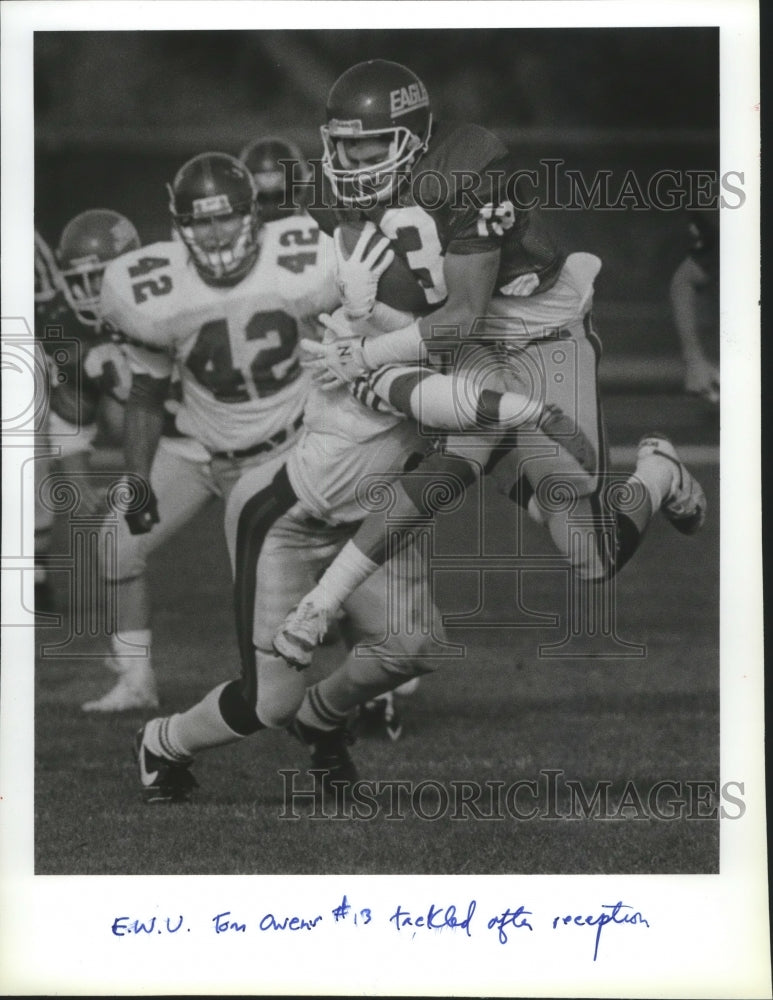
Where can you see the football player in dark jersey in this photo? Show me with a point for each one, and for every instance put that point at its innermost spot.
(693, 304)
(469, 271)
(86, 373)
(279, 170)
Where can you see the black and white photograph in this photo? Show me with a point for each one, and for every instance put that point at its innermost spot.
(379, 413)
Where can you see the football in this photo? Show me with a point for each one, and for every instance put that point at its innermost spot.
(398, 286)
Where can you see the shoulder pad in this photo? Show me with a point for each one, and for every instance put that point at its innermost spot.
(141, 290)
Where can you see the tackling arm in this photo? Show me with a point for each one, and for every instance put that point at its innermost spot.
(470, 279)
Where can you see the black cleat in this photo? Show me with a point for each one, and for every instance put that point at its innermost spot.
(685, 505)
(380, 717)
(329, 755)
(162, 779)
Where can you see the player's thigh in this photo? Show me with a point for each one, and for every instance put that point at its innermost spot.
(239, 483)
(295, 552)
(181, 487)
(569, 450)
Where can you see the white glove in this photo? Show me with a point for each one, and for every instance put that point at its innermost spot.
(358, 276)
(337, 360)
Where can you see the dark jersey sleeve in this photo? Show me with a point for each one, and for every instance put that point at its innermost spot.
(482, 212)
(493, 220)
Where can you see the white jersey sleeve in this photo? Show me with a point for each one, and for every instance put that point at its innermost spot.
(137, 299)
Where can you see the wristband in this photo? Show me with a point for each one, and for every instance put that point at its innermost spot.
(405, 344)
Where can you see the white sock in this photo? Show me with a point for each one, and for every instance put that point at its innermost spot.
(156, 739)
(657, 475)
(342, 578)
(202, 727)
(136, 657)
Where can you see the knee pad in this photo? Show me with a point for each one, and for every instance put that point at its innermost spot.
(236, 710)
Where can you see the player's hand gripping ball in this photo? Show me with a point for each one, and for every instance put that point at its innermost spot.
(358, 273)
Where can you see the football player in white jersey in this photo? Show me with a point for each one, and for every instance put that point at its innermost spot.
(226, 303)
(293, 528)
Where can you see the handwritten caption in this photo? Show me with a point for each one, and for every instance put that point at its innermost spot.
(465, 920)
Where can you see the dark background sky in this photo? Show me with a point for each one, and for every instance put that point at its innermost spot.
(117, 113)
(576, 78)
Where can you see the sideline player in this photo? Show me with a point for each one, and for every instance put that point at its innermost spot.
(693, 286)
(467, 260)
(224, 303)
(86, 373)
(280, 172)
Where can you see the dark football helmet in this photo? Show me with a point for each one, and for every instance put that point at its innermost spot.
(377, 100)
(214, 210)
(281, 173)
(87, 243)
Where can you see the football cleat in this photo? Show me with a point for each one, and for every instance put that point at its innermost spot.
(685, 505)
(380, 716)
(329, 754)
(300, 634)
(134, 689)
(162, 779)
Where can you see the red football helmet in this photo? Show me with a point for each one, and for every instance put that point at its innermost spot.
(87, 243)
(213, 205)
(381, 101)
(280, 172)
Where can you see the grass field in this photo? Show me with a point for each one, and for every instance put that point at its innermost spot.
(503, 713)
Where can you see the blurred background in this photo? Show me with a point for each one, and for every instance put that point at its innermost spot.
(116, 113)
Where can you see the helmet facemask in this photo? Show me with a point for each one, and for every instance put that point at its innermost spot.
(88, 243)
(81, 284)
(368, 185)
(223, 241)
